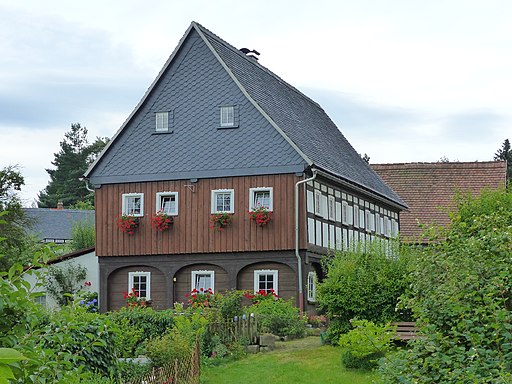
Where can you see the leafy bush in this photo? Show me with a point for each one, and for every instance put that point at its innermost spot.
(152, 323)
(365, 344)
(180, 341)
(279, 317)
(461, 294)
(366, 284)
(83, 235)
(228, 304)
(64, 282)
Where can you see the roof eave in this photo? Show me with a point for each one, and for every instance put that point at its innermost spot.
(358, 187)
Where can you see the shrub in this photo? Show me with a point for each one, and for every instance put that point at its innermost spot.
(365, 344)
(62, 283)
(83, 235)
(279, 317)
(152, 323)
(180, 341)
(364, 284)
(228, 305)
(460, 293)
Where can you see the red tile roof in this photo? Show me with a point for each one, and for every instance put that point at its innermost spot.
(429, 189)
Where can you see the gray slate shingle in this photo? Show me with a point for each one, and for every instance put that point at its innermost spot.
(49, 223)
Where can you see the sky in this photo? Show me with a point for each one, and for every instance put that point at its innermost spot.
(404, 80)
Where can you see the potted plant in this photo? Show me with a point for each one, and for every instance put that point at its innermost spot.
(128, 224)
(219, 221)
(261, 216)
(161, 221)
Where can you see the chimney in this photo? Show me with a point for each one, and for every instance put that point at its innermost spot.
(60, 204)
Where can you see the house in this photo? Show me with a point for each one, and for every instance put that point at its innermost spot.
(429, 189)
(217, 132)
(54, 225)
(85, 258)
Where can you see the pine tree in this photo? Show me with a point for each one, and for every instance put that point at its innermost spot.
(75, 155)
(505, 153)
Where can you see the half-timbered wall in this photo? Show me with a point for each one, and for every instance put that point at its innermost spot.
(341, 219)
(191, 232)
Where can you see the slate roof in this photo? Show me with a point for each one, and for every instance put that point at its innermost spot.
(429, 189)
(56, 224)
(299, 122)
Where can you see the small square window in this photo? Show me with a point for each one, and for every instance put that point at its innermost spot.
(265, 280)
(167, 202)
(133, 204)
(162, 121)
(312, 279)
(140, 282)
(223, 200)
(203, 280)
(227, 116)
(261, 197)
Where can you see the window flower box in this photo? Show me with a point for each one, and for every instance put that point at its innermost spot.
(128, 224)
(161, 221)
(261, 216)
(219, 221)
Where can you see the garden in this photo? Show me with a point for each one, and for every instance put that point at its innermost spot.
(457, 290)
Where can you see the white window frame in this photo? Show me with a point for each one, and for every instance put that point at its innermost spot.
(312, 280)
(215, 192)
(252, 195)
(331, 207)
(131, 275)
(124, 204)
(160, 195)
(344, 213)
(318, 203)
(227, 116)
(162, 121)
(273, 272)
(356, 216)
(203, 272)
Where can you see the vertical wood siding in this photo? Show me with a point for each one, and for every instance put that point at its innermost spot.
(191, 232)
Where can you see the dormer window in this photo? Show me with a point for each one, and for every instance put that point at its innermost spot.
(162, 122)
(228, 116)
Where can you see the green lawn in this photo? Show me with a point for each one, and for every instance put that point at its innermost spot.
(297, 361)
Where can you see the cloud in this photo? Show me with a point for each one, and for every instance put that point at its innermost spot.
(56, 72)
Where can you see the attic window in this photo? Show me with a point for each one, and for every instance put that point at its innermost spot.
(162, 122)
(228, 116)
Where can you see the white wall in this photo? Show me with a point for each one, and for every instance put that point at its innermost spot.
(89, 261)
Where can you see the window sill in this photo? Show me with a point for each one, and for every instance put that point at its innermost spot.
(228, 127)
(162, 133)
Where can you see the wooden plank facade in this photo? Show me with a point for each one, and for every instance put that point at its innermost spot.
(191, 232)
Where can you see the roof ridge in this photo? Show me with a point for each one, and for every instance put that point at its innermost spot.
(254, 62)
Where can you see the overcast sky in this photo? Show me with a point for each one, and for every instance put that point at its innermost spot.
(405, 81)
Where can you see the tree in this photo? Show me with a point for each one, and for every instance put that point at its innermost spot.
(73, 159)
(505, 153)
(12, 229)
(461, 296)
(365, 284)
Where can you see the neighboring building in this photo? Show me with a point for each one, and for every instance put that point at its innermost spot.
(55, 225)
(217, 132)
(85, 257)
(429, 189)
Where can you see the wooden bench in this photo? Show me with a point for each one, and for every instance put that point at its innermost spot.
(405, 330)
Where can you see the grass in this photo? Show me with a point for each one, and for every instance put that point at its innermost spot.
(296, 361)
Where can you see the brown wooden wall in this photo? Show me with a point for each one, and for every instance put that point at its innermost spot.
(183, 284)
(287, 279)
(191, 232)
(118, 284)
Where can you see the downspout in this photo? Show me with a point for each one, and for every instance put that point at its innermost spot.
(86, 184)
(297, 254)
